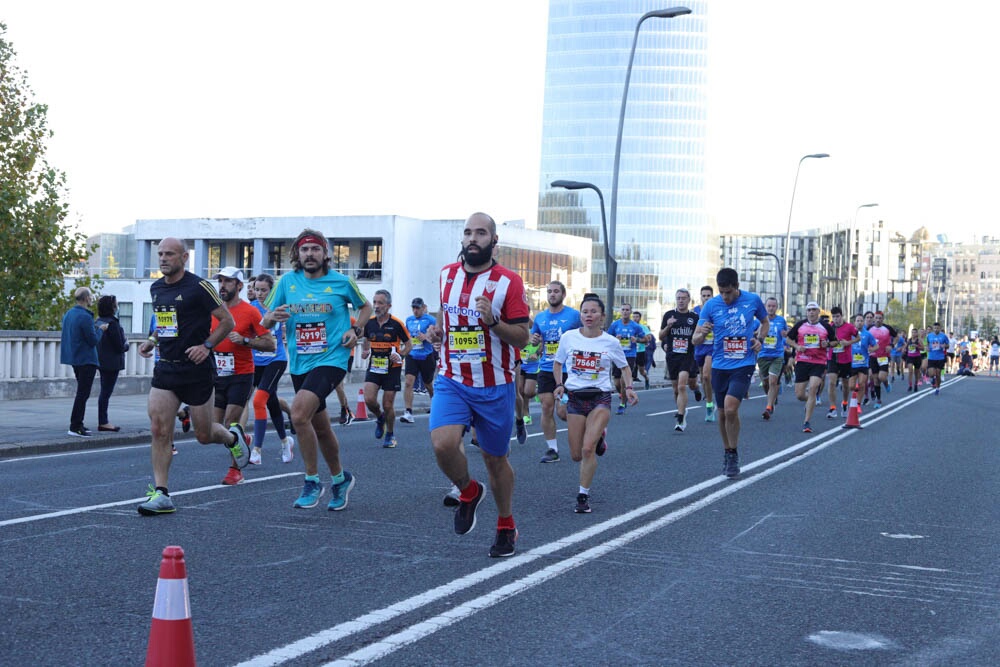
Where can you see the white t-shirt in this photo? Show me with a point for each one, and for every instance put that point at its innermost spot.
(586, 362)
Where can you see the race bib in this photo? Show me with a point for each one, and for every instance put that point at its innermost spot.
(551, 347)
(225, 363)
(709, 338)
(912, 350)
(734, 347)
(882, 361)
(626, 342)
(838, 348)
(680, 346)
(811, 341)
(166, 322)
(467, 344)
(935, 346)
(310, 337)
(379, 365)
(586, 365)
(770, 341)
(858, 359)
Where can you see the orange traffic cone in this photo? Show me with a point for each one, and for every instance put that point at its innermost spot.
(361, 412)
(853, 412)
(171, 636)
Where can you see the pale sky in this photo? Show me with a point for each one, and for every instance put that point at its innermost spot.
(433, 109)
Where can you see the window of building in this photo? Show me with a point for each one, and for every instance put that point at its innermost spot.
(215, 256)
(276, 257)
(125, 316)
(147, 317)
(341, 255)
(245, 260)
(371, 257)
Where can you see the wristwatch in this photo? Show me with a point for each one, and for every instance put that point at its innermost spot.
(358, 331)
(246, 341)
(209, 344)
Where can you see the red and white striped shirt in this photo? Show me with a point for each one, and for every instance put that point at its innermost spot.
(471, 353)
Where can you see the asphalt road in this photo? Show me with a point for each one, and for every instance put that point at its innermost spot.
(876, 546)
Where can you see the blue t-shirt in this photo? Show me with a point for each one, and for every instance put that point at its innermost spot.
(640, 345)
(897, 347)
(936, 344)
(774, 343)
(733, 327)
(417, 326)
(859, 350)
(708, 344)
(624, 332)
(278, 330)
(551, 326)
(319, 317)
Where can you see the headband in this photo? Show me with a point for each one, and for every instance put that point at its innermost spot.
(311, 238)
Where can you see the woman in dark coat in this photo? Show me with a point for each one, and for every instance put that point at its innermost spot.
(111, 357)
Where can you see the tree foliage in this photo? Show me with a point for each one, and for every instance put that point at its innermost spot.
(37, 247)
(988, 326)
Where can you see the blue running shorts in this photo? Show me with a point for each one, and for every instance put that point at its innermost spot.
(490, 410)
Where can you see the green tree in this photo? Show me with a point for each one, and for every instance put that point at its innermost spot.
(895, 314)
(37, 247)
(988, 326)
(968, 324)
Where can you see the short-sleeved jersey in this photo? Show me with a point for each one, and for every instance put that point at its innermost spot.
(884, 334)
(416, 326)
(530, 358)
(586, 362)
(233, 359)
(640, 345)
(773, 346)
(937, 346)
(708, 345)
(183, 314)
(840, 349)
(678, 340)
(809, 337)
(551, 326)
(319, 317)
(383, 339)
(733, 327)
(625, 332)
(860, 349)
(471, 353)
(278, 331)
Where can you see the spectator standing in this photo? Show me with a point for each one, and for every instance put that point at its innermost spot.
(80, 335)
(111, 351)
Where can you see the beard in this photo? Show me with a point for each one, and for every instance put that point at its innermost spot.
(479, 257)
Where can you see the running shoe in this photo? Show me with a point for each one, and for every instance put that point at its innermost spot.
(255, 456)
(343, 415)
(390, 441)
(503, 545)
(602, 444)
(731, 463)
(340, 492)
(465, 513)
(186, 420)
(80, 432)
(551, 456)
(350, 420)
(286, 449)
(242, 440)
(379, 427)
(407, 417)
(647, 383)
(522, 433)
(806, 428)
(877, 405)
(312, 491)
(909, 388)
(451, 498)
(831, 413)
(766, 415)
(888, 387)
(582, 504)
(865, 401)
(681, 423)
(621, 409)
(157, 503)
(233, 477)
(527, 420)
(173, 450)
(937, 392)
(697, 395)
(710, 413)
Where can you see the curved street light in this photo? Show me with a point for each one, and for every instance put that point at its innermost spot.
(853, 294)
(660, 14)
(610, 263)
(788, 232)
(777, 262)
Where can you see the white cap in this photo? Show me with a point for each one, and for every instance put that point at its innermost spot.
(229, 272)
(812, 304)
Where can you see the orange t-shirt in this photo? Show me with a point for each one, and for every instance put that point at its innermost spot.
(236, 358)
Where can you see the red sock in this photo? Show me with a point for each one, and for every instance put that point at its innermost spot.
(505, 522)
(470, 492)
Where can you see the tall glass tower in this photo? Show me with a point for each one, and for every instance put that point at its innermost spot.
(663, 236)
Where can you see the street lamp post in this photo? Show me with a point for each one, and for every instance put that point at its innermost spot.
(850, 256)
(777, 262)
(611, 264)
(661, 14)
(788, 232)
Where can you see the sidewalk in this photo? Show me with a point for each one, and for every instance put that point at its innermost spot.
(41, 425)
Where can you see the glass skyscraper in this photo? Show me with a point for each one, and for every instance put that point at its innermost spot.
(663, 235)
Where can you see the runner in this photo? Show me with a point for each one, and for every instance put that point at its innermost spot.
(527, 389)
(641, 361)
(860, 351)
(771, 358)
(482, 324)
(628, 333)
(994, 356)
(421, 361)
(587, 354)
(233, 355)
(896, 364)
(386, 342)
(676, 330)
(183, 305)
(313, 301)
(810, 338)
(885, 335)
(703, 359)
(546, 331)
(937, 344)
(268, 369)
(730, 315)
(838, 370)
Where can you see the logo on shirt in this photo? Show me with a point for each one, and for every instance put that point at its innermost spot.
(459, 310)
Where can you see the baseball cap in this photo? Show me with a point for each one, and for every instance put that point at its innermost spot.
(229, 272)
(812, 304)
(417, 303)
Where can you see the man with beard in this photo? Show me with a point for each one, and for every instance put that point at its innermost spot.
(885, 336)
(546, 331)
(838, 368)
(771, 359)
(703, 358)
(315, 302)
(233, 355)
(386, 343)
(482, 323)
(676, 331)
(628, 333)
(183, 305)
